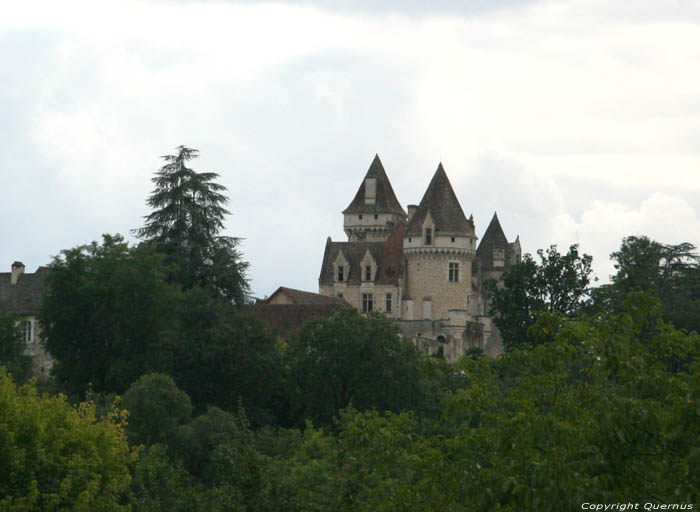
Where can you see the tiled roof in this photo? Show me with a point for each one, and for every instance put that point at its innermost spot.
(445, 211)
(385, 202)
(388, 256)
(288, 318)
(23, 297)
(302, 297)
(494, 238)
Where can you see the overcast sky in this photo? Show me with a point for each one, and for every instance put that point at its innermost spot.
(578, 121)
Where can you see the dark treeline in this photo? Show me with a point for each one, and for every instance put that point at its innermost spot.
(166, 395)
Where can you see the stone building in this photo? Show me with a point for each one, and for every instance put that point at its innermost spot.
(288, 309)
(20, 293)
(422, 267)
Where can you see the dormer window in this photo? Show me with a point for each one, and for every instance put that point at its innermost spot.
(368, 273)
(341, 273)
(428, 236)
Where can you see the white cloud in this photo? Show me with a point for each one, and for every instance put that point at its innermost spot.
(290, 102)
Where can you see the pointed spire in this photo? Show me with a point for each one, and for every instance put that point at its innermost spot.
(445, 211)
(494, 238)
(385, 199)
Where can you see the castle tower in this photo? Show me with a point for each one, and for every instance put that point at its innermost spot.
(495, 253)
(439, 246)
(375, 211)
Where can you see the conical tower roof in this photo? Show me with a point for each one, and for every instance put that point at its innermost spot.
(445, 211)
(494, 238)
(385, 202)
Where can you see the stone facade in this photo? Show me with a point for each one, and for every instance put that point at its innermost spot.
(20, 293)
(424, 268)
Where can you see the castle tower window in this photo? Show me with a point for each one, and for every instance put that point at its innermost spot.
(428, 236)
(453, 272)
(376, 216)
(452, 239)
(367, 302)
(388, 303)
(368, 273)
(341, 275)
(359, 216)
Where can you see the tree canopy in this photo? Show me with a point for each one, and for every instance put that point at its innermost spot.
(351, 359)
(103, 311)
(12, 347)
(185, 224)
(59, 457)
(559, 283)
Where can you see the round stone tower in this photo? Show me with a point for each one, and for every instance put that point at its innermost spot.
(439, 247)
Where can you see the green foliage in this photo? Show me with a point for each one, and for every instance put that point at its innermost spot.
(159, 484)
(12, 347)
(219, 355)
(57, 457)
(189, 210)
(103, 311)
(670, 271)
(351, 359)
(156, 407)
(559, 283)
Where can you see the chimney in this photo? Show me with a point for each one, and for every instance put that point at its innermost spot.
(411, 210)
(17, 270)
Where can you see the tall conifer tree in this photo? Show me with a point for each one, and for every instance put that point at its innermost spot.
(188, 214)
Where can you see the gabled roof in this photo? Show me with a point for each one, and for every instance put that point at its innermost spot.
(22, 298)
(288, 318)
(387, 254)
(444, 207)
(385, 202)
(302, 297)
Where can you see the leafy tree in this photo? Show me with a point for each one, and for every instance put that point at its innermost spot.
(58, 457)
(559, 283)
(189, 210)
(12, 348)
(351, 359)
(219, 356)
(103, 311)
(156, 406)
(672, 272)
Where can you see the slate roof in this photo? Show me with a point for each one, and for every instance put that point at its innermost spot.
(494, 238)
(445, 210)
(388, 255)
(302, 297)
(385, 202)
(24, 297)
(288, 318)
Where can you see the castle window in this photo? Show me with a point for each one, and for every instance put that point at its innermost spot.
(388, 303)
(29, 331)
(340, 295)
(428, 236)
(452, 239)
(341, 270)
(367, 302)
(376, 216)
(360, 216)
(453, 272)
(368, 273)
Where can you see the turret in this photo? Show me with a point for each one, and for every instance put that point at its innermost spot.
(375, 211)
(439, 245)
